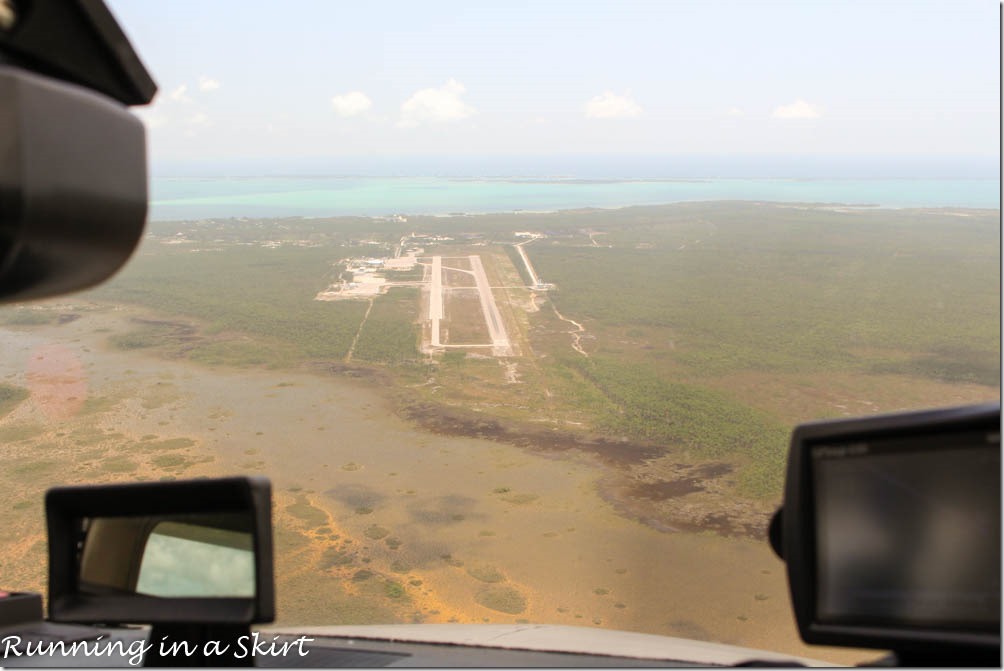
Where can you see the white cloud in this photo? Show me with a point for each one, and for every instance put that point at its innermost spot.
(199, 119)
(798, 110)
(351, 104)
(612, 106)
(208, 84)
(438, 105)
(735, 111)
(180, 94)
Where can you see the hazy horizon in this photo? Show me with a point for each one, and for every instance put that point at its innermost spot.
(592, 166)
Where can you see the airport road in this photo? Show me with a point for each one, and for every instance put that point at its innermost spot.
(526, 262)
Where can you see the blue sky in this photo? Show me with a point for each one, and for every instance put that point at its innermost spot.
(311, 80)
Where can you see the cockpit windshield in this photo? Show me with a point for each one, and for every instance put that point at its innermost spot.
(516, 304)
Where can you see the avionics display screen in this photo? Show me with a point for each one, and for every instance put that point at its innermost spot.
(908, 531)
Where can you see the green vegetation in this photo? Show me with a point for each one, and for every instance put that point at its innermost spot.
(517, 262)
(27, 316)
(413, 275)
(520, 499)
(170, 444)
(393, 589)
(242, 353)
(454, 358)
(10, 397)
(485, 573)
(150, 336)
(97, 404)
(948, 364)
(390, 334)
(333, 557)
(22, 431)
(32, 468)
(774, 288)
(692, 293)
(303, 510)
(646, 406)
(376, 532)
(259, 291)
(114, 465)
(168, 461)
(503, 598)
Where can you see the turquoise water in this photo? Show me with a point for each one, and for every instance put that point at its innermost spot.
(198, 198)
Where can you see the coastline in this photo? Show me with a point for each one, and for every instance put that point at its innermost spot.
(178, 199)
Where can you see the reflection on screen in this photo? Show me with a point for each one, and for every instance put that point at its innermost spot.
(183, 560)
(909, 531)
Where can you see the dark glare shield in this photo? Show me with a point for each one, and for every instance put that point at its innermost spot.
(73, 186)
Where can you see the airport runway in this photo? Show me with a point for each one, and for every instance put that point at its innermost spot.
(436, 298)
(496, 328)
(500, 343)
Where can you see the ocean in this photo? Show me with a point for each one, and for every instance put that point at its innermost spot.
(177, 198)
